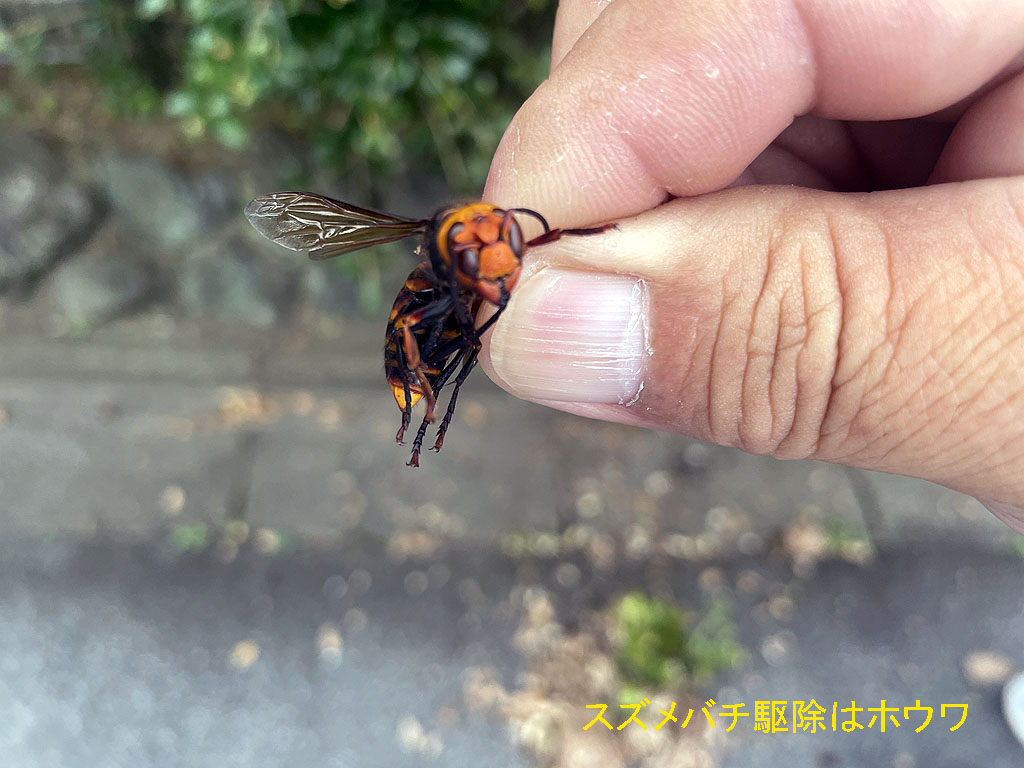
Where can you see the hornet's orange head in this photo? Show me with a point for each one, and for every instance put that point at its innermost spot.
(484, 245)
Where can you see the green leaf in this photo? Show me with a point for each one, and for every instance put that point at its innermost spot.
(230, 132)
(150, 9)
(179, 104)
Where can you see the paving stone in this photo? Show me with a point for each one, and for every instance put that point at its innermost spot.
(82, 456)
(339, 463)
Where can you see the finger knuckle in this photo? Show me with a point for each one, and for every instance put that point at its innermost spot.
(791, 313)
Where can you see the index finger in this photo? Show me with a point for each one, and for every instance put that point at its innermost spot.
(677, 97)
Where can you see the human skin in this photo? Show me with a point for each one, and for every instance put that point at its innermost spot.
(820, 243)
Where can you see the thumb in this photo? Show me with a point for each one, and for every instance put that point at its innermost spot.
(882, 331)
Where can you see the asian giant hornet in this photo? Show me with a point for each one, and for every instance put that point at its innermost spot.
(475, 253)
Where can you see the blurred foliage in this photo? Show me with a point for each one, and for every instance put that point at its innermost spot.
(840, 535)
(372, 87)
(656, 647)
(713, 647)
(190, 538)
(370, 90)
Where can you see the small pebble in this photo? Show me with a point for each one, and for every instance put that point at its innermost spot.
(775, 648)
(266, 541)
(244, 654)
(172, 500)
(329, 643)
(567, 575)
(987, 668)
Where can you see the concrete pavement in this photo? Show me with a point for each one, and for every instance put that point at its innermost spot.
(213, 555)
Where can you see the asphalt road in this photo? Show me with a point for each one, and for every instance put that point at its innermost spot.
(116, 655)
(213, 555)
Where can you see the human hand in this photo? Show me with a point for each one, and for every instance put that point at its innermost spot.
(814, 320)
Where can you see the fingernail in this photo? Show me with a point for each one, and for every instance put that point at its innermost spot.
(572, 336)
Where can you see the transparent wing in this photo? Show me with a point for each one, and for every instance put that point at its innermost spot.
(304, 221)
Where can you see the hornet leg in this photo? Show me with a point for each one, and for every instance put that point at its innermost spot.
(417, 444)
(467, 368)
(415, 364)
(556, 234)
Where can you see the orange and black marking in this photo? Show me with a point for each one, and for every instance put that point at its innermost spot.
(416, 354)
(475, 256)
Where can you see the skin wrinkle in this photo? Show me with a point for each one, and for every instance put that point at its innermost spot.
(1017, 401)
(784, 347)
(811, 315)
(944, 407)
(659, 191)
(570, 11)
(897, 324)
(866, 393)
(837, 385)
(975, 356)
(677, 355)
(979, 358)
(952, 343)
(873, 410)
(933, 409)
(804, 329)
(990, 460)
(780, 261)
(752, 443)
(985, 387)
(978, 240)
(1017, 279)
(983, 459)
(806, 437)
(690, 369)
(713, 428)
(930, 422)
(902, 321)
(954, 465)
(799, 346)
(925, 424)
(812, 323)
(1002, 451)
(884, 349)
